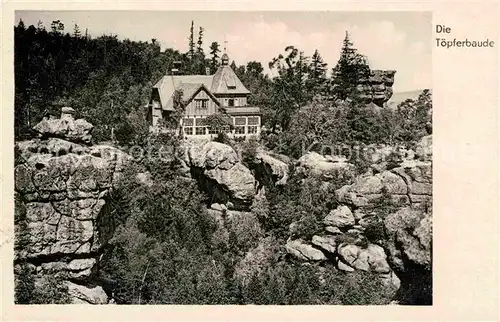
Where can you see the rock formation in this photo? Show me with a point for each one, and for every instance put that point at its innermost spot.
(271, 169)
(65, 127)
(408, 184)
(64, 187)
(324, 167)
(410, 252)
(400, 245)
(64, 184)
(377, 87)
(220, 172)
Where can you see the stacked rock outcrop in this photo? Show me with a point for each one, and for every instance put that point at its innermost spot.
(64, 187)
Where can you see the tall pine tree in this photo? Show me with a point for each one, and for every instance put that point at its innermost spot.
(350, 68)
(191, 41)
(317, 74)
(214, 53)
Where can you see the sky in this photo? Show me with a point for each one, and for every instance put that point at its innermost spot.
(399, 41)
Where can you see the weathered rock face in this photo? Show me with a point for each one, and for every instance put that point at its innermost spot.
(324, 167)
(340, 217)
(220, 172)
(372, 258)
(272, 169)
(369, 187)
(408, 184)
(327, 243)
(382, 157)
(64, 187)
(410, 234)
(303, 251)
(377, 87)
(86, 295)
(424, 148)
(394, 242)
(65, 127)
(410, 253)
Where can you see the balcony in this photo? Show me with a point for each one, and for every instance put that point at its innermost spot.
(243, 110)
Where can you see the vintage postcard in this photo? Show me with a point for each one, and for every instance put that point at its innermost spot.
(232, 158)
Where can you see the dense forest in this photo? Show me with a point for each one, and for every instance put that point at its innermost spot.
(165, 248)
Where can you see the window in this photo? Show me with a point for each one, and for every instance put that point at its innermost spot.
(240, 121)
(188, 130)
(230, 81)
(239, 130)
(225, 129)
(230, 102)
(201, 130)
(201, 121)
(253, 120)
(187, 122)
(252, 130)
(201, 104)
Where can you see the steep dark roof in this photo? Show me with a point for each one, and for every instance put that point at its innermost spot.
(187, 83)
(224, 81)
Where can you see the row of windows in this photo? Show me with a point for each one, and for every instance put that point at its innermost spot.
(202, 130)
(252, 120)
(201, 104)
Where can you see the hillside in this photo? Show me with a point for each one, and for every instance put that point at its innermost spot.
(330, 204)
(399, 97)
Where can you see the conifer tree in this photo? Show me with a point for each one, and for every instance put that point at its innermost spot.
(191, 41)
(199, 49)
(317, 74)
(76, 31)
(214, 52)
(350, 68)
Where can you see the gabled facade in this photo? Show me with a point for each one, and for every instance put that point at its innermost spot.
(204, 95)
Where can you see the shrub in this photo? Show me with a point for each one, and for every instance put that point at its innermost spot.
(356, 288)
(29, 289)
(246, 231)
(375, 232)
(249, 152)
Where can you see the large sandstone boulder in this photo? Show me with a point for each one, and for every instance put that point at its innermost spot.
(408, 183)
(302, 251)
(340, 217)
(410, 233)
(81, 294)
(418, 179)
(64, 196)
(220, 172)
(327, 243)
(213, 155)
(410, 254)
(324, 167)
(65, 127)
(372, 258)
(424, 148)
(370, 187)
(271, 169)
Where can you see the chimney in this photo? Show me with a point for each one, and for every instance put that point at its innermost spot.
(207, 71)
(176, 69)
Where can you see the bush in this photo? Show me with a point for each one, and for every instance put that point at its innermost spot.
(249, 152)
(49, 289)
(246, 231)
(375, 232)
